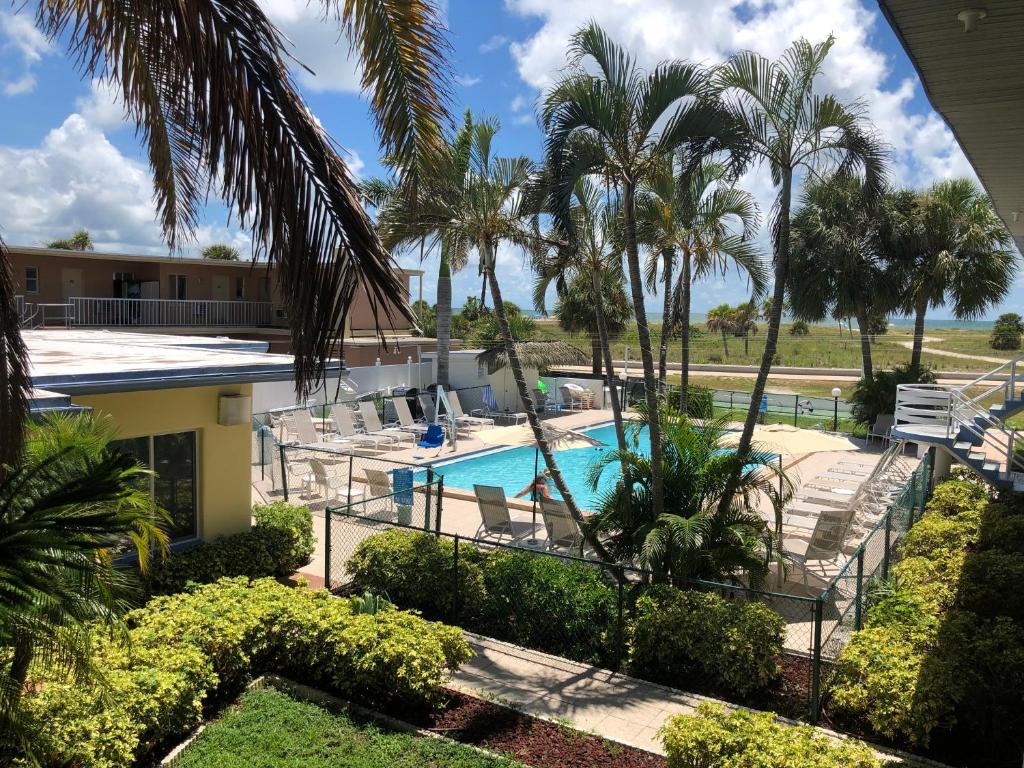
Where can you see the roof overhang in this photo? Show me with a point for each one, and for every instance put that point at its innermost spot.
(975, 80)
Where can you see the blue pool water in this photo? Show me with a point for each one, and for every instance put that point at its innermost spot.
(513, 468)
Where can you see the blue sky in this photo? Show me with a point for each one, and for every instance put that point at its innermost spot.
(75, 163)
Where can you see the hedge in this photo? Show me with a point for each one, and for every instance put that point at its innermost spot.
(700, 401)
(719, 738)
(279, 543)
(186, 650)
(690, 640)
(944, 646)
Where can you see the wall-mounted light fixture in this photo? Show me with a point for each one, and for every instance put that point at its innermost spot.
(233, 410)
(971, 17)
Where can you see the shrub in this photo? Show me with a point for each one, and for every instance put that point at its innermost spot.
(875, 396)
(280, 542)
(715, 736)
(1006, 331)
(700, 402)
(991, 584)
(955, 497)
(297, 520)
(414, 570)
(799, 328)
(564, 608)
(690, 640)
(186, 649)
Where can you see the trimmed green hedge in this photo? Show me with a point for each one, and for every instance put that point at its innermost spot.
(278, 544)
(718, 738)
(690, 639)
(944, 646)
(187, 649)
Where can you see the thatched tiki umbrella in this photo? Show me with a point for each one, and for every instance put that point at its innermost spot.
(533, 354)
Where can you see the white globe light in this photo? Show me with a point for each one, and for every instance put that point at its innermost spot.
(836, 392)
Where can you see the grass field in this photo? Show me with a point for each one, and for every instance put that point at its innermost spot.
(825, 347)
(268, 729)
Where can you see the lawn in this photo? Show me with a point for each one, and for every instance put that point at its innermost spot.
(826, 346)
(268, 729)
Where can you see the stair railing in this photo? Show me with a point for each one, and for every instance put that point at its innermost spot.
(967, 413)
(925, 405)
(1007, 384)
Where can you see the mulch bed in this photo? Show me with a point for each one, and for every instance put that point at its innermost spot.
(537, 743)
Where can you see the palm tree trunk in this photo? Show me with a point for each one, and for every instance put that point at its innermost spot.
(684, 330)
(774, 317)
(915, 355)
(483, 293)
(666, 316)
(20, 663)
(609, 364)
(444, 319)
(865, 345)
(746, 343)
(644, 337)
(531, 412)
(596, 354)
(725, 341)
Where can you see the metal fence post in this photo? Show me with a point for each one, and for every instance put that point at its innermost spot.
(263, 455)
(858, 606)
(439, 504)
(430, 487)
(888, 538)
(351, 461)
(815, 704)
(327, 547)
(284, 473)
(620, 638)
(456, 597)
(796, 409)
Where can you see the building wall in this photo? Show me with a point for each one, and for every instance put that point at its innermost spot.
(223, 454)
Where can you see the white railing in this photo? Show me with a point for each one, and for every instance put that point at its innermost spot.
(924, 404)
(88, 311)
(1002, 378)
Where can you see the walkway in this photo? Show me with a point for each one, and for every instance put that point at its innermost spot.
(616, 707)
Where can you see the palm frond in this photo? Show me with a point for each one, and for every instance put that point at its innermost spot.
(534, 354)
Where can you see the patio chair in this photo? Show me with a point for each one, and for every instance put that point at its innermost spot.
(818, 556)
(492, 411)
(342, 418)
(372, 425)
(301, 424)
(379, 491)
(461, 419)
(328, 484)
(427, 406)
(574, 401)
(433, 437)
(563, 533)
(405, 420)
(882, 428)
(495, 520)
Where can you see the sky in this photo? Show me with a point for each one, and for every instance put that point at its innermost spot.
(69, 160)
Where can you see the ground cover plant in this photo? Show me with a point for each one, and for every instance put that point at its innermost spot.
(187, 652)
(940, 660)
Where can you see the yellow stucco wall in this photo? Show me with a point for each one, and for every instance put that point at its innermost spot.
(223, 456)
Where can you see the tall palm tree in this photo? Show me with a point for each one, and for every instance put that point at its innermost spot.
(616, 124)
(959, 251)
(590, 255)
(493, 203)
(690, 208)
(208, 87)
(721, 319)
(744, 322)
(789, 126)
(65, 506)
(701, 538)
(838, 262)
(577, 311)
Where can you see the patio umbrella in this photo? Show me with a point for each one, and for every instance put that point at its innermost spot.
(790, 440)
(533, 354)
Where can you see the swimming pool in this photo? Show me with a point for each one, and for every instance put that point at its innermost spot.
(513, 468)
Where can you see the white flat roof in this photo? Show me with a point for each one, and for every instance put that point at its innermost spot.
(98, 361)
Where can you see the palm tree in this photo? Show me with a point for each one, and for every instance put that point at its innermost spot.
(702, 538)
(576, 310)
(721, 320)
(616, 124)
(220, 252)
(837, 260)
(958, 251)
(65, 507)
(208, 88)
(689, 208)
(744, 321)
(590, 257)
(79, 241)
(493, 203)
(789, 126)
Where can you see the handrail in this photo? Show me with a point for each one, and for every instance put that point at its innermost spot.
(101, 311)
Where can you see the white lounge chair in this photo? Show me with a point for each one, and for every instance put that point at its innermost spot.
(405, 420)
(818, 555)
(372, 425)
(301, 424)
(563, 533)
(460, 416)
(342, 418)
(495, 520)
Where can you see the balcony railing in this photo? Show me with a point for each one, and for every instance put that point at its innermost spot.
(88, 311)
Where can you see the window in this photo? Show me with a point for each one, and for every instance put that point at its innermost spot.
(173, 486)
(239, 289)
(177, 287)
(264, 289)
(31, 279)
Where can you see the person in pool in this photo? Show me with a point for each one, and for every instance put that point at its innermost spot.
(539, 487)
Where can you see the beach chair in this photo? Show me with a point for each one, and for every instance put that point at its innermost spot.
(427, 406)
(574, 401)
(817, 557)
(372, 425)
(495, 521)
(380, 494)
(301, 425)
(491, 410)
(461, 419)
(405, 420)
(563, 533)
(342, 418)
(330, 487)
(882, 428)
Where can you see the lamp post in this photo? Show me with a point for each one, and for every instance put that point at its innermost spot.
(836, 392)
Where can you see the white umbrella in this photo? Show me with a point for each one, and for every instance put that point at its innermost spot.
(790, 440)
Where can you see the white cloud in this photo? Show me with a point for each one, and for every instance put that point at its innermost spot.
(467, 81)
(493, 43)
(25, 84)
(356, 164)
(519, 103)
(102, 108)
(18, 32)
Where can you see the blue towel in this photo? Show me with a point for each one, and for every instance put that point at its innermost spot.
(433, 438)
(489, 399)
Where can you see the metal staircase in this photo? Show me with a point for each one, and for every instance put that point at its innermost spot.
(957, 420)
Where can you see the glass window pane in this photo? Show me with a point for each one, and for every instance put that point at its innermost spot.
(174, 460)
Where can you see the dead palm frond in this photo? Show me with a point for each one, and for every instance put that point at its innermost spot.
(534, 354)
